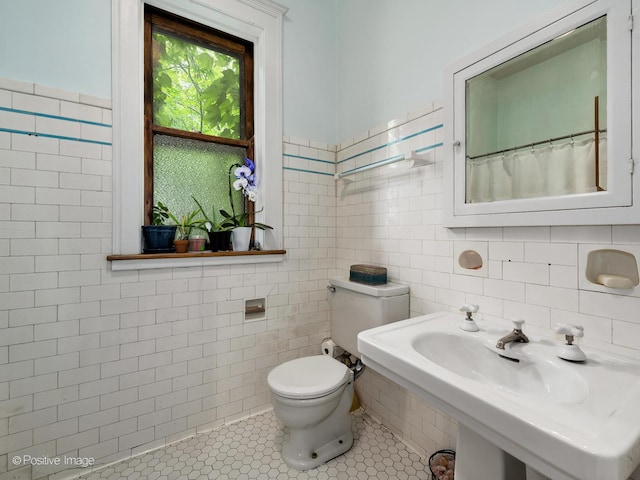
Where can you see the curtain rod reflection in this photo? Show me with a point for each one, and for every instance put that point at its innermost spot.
(531, 145)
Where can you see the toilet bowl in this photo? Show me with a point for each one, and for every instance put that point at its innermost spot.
(312, 396)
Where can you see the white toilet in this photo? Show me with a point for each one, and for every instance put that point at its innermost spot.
(313, 395)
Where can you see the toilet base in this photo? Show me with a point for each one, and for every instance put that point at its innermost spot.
(322, 454)
(309, 447)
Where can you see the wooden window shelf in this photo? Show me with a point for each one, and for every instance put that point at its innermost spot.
(143, 261)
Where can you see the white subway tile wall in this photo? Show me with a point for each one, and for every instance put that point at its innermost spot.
(95, 363)
(110, 364)
(392, 217)
(389, 216)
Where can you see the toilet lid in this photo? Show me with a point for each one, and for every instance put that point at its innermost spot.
(308, 377)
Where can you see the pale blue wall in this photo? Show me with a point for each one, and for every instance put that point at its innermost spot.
(64, 44)
(349, 65)
(310, 84)
(392, 54)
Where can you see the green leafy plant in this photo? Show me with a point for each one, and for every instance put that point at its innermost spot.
(244, 179)
(210, 223)
(185, 223)
(241, 220)
(158, 237)
(195, 87)
(160, 214)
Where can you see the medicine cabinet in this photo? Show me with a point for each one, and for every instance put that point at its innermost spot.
(538, 124)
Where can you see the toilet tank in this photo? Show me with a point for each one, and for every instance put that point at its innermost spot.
(356, 307)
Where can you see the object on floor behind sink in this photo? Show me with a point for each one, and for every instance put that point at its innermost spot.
(442, 465)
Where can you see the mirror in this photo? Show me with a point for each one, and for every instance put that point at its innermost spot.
(537, 126)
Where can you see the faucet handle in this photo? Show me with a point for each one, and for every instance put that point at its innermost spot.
(567, 329)
(517, 324)
(469, 324)
(469, 307)
(569, 351)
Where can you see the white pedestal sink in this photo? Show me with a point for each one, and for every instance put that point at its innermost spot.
(534, 413)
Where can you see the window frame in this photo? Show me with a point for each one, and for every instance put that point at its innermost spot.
(257, 21)
(206, 36)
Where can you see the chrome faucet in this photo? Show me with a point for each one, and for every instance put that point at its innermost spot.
(516, 336)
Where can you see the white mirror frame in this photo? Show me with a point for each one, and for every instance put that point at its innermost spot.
(620, 203)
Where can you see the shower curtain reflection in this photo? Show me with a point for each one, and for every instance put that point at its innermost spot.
(551, 169)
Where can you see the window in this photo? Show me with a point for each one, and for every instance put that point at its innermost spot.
(259, 22)
(198, 114)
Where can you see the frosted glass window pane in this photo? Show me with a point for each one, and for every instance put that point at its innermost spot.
(185, 167)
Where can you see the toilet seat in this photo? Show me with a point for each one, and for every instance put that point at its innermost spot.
(308, 377)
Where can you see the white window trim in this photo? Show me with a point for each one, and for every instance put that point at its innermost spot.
(259, 21)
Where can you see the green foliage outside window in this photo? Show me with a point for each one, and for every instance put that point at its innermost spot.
(195, 89)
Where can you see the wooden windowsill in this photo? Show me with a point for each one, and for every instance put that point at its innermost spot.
(143, 261)
(150, 256)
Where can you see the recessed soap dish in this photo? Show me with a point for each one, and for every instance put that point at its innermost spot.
(470, 259)
(614, 281)
(612, 269)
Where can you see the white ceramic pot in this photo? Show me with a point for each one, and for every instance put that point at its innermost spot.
(240, 238)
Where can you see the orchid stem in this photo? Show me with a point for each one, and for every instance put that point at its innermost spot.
(233, 210)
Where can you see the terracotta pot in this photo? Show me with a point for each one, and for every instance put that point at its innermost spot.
(181, 245)
(196, 244)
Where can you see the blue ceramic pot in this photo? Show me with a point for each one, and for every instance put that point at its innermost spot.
(158, 238)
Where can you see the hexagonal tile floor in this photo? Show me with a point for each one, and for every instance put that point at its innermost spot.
(250, 449)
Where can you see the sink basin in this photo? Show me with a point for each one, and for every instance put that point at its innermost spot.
(568, 421)
(523, 374)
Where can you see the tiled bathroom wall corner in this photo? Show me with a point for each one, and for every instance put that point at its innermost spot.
(392, 217)
(388, 216)
(420, 426)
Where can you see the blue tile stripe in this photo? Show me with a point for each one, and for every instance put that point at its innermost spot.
(307, 171)
(429, 147)
(436, 127)
(58, 137)
(393, 158)
(379, 162)
(55, 117)
(309, 158)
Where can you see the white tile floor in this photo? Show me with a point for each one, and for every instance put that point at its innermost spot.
(250, 449)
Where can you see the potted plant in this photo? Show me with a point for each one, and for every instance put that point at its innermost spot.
(158, 237)
(184, 225)
(242, 229)
(197, 242)
(219, 233)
